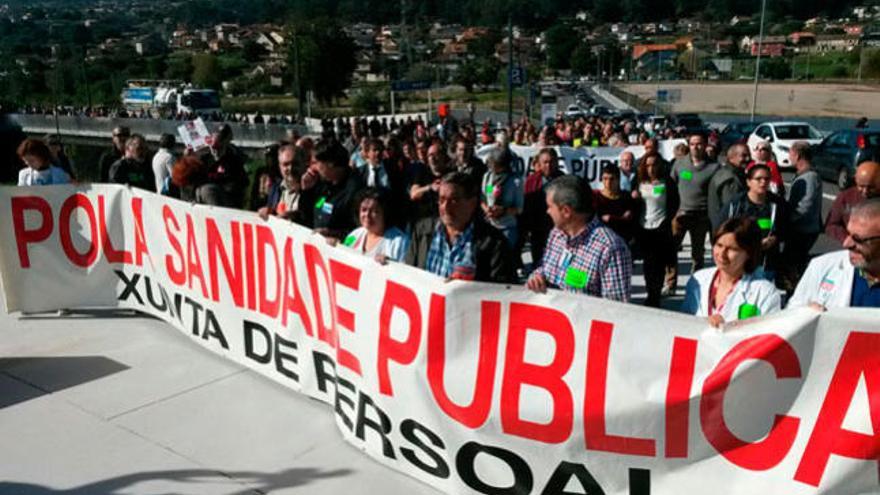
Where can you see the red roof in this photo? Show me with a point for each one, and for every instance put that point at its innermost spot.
(640, 50)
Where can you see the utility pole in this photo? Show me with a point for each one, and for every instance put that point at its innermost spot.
(861, 49)
(296, 81)
(758, 60)
(510, 71)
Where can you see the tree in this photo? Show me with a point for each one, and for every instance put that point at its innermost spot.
(206, 71)
(179, 66)
(366, 101)
(466, 75)
(325, 58)
(871, 64)
(253, 51)
(561, 43)
(775, 68)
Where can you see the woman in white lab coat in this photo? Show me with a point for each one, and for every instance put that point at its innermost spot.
(731, 290)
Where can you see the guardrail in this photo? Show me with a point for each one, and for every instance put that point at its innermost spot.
(244, 135)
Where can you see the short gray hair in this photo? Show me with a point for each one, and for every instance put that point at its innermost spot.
(868, 208)
(571, 191)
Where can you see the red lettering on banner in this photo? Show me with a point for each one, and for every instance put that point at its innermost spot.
(86, 259)
(525, 317)
(25, 236)
(231, 268)
(860, 357)
(595, 436)
(112, 254)
(140, 240)
(766, 453)
(177, 275)
(293, 301)
(347, 276)
(404, 352)
(193, 260)
(250, 277)
(678, 393)
(266, 239)
(474, 414)
(315, 262)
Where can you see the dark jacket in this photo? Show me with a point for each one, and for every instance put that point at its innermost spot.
(727, 183)
(493, 256)
(331, 206)
(108, 158)
(134, 173)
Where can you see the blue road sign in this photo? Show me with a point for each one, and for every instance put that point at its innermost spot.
(410, 85)
(517, 76)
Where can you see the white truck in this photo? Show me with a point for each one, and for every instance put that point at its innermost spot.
(169, 97)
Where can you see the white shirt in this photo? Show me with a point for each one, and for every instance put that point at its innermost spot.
(749, 290)
(46, 177)
(827, 281)
(163, 162)
(393, 245)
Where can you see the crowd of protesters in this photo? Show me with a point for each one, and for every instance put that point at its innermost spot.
(257, 118)
(414, 193)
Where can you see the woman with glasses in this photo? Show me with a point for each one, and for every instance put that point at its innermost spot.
(764, 156)
(731, 290)
(767, 209)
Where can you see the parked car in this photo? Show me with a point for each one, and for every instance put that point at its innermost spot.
(781, 135)
(573, 112)
(736, 133)
(837, 156)
(690, 123)
(600, 111)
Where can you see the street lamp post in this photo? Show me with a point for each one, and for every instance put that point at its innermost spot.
(758, 60)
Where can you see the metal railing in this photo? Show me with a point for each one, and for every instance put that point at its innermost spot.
(244, 135)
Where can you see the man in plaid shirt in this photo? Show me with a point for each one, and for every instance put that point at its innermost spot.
(582, 255)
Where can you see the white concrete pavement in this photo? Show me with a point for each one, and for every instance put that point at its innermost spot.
(109, 403)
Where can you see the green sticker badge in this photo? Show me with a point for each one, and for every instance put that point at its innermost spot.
(659, 190)
(320, 203)
(765, 223)
(349, 241)
(687, 175)
(489, 189)
(595, 143)
(747, 311)
(576, 278)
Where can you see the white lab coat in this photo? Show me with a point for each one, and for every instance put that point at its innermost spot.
(828, 281)
(750, 290)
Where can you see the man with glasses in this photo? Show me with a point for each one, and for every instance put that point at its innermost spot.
(848, 278)
(867, 186)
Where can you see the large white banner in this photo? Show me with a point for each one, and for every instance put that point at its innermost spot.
(469, 387)
(585, 162)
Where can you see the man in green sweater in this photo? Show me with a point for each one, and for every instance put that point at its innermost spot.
(692, 173)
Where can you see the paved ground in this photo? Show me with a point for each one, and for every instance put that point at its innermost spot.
(814, 100)
(105, 403)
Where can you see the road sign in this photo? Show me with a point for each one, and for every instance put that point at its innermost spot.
(517, 76)
(410, 85)
(668, 95)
